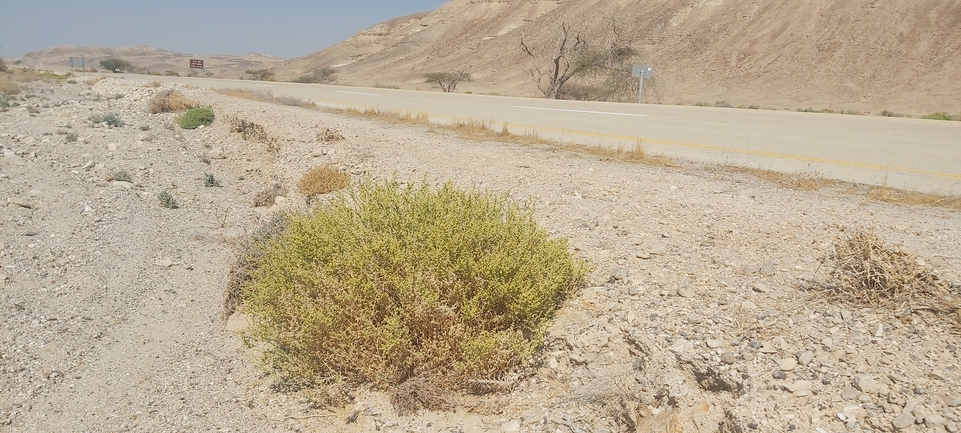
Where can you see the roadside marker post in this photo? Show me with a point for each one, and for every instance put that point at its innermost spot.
(641, 72)
(78, 63)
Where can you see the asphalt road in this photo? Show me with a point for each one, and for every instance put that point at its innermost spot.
(914, 154)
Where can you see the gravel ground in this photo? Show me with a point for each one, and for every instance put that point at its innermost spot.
(697, 317)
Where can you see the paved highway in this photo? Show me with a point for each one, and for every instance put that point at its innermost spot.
(905, 153)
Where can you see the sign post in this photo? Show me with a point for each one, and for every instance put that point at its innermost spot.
(641, 72)
(196, 64)
(78, 63)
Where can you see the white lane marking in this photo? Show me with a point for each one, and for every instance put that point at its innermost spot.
(581, 111)
(357, 93)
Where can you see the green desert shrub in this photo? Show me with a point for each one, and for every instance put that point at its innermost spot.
(114, 65)
(940, 115)
(195, 117)
(167, 200)
(385, 284)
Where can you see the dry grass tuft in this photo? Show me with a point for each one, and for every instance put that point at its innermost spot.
(266, 96)
(393, 116)
(633, 154)
(152, 84)
(322, 180)
(866, 271)
(329, 135)
(253, 131)
(796, 181)
(419, 393)
(8, 86)
(170, 101)
(253, 95)
(887, 194)
(294, 102)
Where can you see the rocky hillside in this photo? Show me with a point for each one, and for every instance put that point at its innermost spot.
(863, 55)
(148, 58)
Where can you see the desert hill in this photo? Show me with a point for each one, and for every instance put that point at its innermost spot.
(148, 59)
(865, 55)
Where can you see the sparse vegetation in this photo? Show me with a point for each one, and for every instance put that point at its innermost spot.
(447, 81)
(294, 102)
(170, 101)
(888, 113)
(940, 115)
(172, 73)
(111, 119)
(210, 181)
(116, 65)
(260, 74)
(389, 284)
(120, 176)
(322, 180)
(329, 135)
(71, 137)
(252, 131)
(168, 201)
(863, 270)
(8, 86)
(320, 75)
(195, 117)
(3, 65)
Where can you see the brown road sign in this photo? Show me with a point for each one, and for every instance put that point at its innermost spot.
(196, 64)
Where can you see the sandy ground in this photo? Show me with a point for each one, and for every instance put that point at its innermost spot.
(697, 317)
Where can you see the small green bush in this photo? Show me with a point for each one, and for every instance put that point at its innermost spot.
(940, 115)
(121, 176)
(71, 137)
(210, 181)
(112, 119)
(195, 117)
(388, 283)
(168, 201)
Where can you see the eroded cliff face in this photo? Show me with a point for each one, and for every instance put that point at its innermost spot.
(863, 55)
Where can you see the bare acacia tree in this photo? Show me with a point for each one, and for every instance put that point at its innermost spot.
(566, 61)
(447, 81)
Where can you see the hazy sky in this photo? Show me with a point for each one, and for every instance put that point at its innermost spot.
(284, 28)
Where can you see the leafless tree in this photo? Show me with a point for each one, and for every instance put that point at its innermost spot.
(567, 59)
(571, 56)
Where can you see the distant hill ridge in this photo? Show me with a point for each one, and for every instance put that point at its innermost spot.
(859, 54)
(151, 59)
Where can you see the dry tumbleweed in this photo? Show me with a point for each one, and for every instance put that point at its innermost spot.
(863, 270)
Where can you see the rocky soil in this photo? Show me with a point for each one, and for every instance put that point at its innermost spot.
(699, 315)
